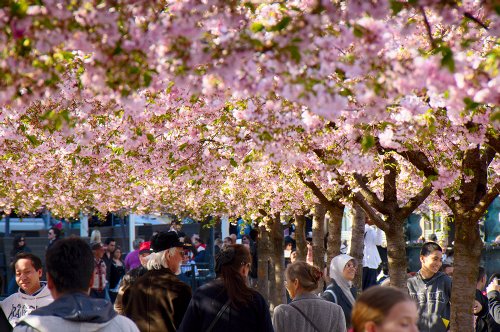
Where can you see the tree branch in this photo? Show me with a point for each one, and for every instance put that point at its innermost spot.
(485, 202)
(372, 214)
(493, 141)
(369, 195)
(427, 27)
(415, 201)
(316, 191)
(420, 161)
(476, 20)
(390, 190)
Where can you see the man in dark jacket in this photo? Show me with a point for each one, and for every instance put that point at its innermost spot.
(484, 321)
(70, 266)
(432, 290)
(158, 300)
(493, 293)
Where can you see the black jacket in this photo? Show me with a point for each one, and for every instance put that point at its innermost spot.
(210, 298)
(484, 321)
(340, 299)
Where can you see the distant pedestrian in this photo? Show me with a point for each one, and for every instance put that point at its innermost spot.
(53, 235)
(98, 286)
(228, 303)
(158, 299)
(493, 293)
(116, 273)
(70, 268)
(132, 260)
(31, 295)
(384, 309)
(307, 312)
(432, 290)
(371, 256)
(131, 276)
(341, 290)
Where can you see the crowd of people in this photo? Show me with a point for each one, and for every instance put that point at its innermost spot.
(89, 287)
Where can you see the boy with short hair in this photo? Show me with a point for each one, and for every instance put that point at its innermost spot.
(432, 290)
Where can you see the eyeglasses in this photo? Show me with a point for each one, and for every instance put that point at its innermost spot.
(350, 265)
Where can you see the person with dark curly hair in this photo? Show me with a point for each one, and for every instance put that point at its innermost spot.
(307, 311)
(228, 303)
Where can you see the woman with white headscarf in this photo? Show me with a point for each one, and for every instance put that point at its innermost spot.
(340, 291)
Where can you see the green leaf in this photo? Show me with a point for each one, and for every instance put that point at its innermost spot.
(150, 137)
(447, 60)
(256, 27)
(233, 162)
(281, 25)
(294, 52)
(396, 6)
(367, 142)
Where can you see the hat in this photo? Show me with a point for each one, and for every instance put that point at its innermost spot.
(165, 240)
(96, 245)
(145, 247)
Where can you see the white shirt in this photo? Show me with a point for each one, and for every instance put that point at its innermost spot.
(373, 238)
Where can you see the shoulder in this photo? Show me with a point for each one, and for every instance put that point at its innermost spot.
(125, 324)
(282, 309)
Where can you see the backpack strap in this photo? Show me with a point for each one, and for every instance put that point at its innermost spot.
(305, 317)
(221, 311)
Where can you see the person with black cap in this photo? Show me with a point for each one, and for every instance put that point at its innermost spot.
(228, 303)
(158, 299)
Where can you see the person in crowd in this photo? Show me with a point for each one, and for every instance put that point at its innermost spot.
(433, 238)
(384, 309)
(384, 273)
(95, 236)
(227, 241)
(493, 293)
(484, 321)
(228, 303)
(447, 269)
(287, 252)
(233, 237)
(131, 276)
(218, 245)
(293, 256)
(132, 260)
(309, 256)
(291, 239)
(99, 281)
(202, 256)
(175, 226)
(31, 295)
(53, 235)
(341, 290)
(158, 300)
(109, 248)
(18, 246)
(371, 256)
(432, 290)
(70, 269)
(117, 271)
(307, 311)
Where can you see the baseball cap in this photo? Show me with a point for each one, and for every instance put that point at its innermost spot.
(145, 247)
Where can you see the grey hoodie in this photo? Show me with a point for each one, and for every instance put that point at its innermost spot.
(433, 299)
(76, 312)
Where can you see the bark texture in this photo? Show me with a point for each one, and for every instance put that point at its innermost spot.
(334, 232)
(300, 236)
(357, 243)
(278, 260)
(318, 241)
(263, 254)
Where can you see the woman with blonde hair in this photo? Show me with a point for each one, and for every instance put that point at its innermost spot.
(307, 312)
(384, 309)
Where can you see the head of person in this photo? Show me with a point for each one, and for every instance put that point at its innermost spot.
(447, 269)
(110, 244)
(54, 233)
(168, 252)
(195, 240)
(144, 252)
(481, 278)
(227, 241)
(117, 254)
(245, 239)
(70, 267)
(95, 236)
(232, 266)
(384, 309)
(293, 256)
(288, 246)
(301, 278)
(431, 256)
(28, 271)
(233, 238)
(19, 241)
(343, 268)
(175, 226)
(97, 249)
(137, 243)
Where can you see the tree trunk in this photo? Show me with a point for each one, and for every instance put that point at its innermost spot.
(263, 254)
(334, 233)
(278, 259)
(318, 241)
(467, 256)
(300, 236)
(357, 243)
(396, 254)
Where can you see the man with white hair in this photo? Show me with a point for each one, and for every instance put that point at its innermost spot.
(158, 299)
